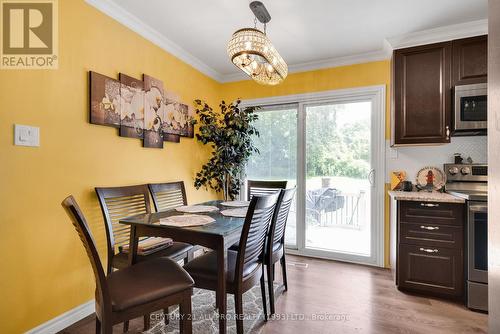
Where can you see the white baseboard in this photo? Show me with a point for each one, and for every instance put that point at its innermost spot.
(64, 320)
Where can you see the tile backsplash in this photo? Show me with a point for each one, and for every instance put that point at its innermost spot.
(411, 159)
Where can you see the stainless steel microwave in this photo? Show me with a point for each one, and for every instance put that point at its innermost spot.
(471, 108)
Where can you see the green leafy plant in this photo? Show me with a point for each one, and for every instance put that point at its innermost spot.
(230, 135)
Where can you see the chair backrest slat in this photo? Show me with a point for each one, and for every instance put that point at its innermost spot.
(278, 226)
(118, 203)
(253, 236)
(167, 196)
(263, 188)
(79, 222)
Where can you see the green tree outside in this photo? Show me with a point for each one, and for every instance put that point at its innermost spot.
(333, 149)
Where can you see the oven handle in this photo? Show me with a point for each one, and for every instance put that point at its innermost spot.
(478, 207)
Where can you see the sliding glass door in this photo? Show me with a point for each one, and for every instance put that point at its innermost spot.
(338, 166)
(331, 146)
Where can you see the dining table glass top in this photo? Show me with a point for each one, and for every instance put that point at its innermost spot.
(223, 225)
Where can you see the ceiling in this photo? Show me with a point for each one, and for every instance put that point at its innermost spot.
(308, 34)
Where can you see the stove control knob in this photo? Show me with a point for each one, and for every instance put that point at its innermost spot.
(453, 170)
(465, 170)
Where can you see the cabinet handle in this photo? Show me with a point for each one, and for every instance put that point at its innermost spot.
(431, 228)
(447, 132)
(428, 250)
(429, 205)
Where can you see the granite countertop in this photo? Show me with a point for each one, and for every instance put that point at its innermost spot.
(425, 196)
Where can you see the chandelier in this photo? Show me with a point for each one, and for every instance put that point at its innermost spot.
(252, 51)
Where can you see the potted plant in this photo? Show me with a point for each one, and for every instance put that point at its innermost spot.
(230, 135)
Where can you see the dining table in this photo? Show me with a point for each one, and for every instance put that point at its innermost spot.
(218, 236)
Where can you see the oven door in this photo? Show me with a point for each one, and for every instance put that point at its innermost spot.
(477, 242)
(471, 107)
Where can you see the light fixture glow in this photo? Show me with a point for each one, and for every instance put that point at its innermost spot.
(252, 52)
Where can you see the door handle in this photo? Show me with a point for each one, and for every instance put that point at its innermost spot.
(371, 177)
(447, 132)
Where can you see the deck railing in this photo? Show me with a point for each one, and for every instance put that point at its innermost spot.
(346, 210)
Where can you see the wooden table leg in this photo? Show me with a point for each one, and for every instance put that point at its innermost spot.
(133, 245)
(221, 287)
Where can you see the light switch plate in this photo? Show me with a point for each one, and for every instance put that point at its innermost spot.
(25, 135)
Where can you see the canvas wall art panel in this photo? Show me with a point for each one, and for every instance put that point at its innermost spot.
(177, 116)
(131, 107)
(104, 100)
(168, 135)
(153, 107)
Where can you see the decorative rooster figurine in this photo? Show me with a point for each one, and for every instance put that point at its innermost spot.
(430, 182)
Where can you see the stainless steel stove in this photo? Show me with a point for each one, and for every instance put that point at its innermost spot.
(470, 181)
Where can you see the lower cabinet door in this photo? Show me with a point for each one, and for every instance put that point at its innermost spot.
(433, 270)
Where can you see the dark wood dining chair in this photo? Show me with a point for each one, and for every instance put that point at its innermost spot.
(168, 196)
(244, 267)
(258, 187)
(134, 291)
(120, 202)
(275, 245)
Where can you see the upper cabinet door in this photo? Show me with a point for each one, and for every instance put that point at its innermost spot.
(470, 60)
(422, 94)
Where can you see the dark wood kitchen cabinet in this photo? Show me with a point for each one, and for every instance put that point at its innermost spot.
(470, 60)
(422, 90)
(422, 94)
(430, 248)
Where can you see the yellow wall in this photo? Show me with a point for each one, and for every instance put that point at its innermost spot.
(44, 269)
(359, 75)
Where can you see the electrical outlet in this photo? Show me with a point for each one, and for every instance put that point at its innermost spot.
(393, 153)
(25, 135)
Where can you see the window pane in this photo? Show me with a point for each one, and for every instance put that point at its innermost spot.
(277, 160)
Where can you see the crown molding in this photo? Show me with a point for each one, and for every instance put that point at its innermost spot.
(340, 61)
(123, 16)
(446, 33)
(232, 77)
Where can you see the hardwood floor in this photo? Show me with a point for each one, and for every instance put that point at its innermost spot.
(348, 298)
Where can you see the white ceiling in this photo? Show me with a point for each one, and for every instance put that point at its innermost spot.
(308, 33)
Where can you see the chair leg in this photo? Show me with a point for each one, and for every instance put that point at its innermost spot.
(125, 326)
(238, 306)
(283, 268)
(270, 285)
(185, 316)
(106, 327)
(146, 321)
(273, 271)
(166, 316)
(263, 292)
(97, 326)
